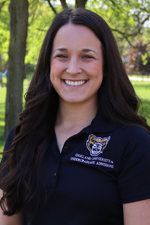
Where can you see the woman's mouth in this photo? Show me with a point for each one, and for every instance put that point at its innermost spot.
(75, 83)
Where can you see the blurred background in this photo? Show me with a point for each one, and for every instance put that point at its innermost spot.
(23, 25)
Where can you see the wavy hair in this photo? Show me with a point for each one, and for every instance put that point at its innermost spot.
(117, 100)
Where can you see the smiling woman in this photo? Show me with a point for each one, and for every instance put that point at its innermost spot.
(80, 153)
(76, 70)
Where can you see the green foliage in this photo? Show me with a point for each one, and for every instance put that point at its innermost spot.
(4, 31)
(40, 17)
(125, 18)
(2, 113)
(146, 34)
(144, 58)
(118, 14)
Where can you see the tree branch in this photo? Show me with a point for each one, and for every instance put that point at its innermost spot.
(52, 7)
(1, 5)
(147, 18)
(126, 37)
(136, 31)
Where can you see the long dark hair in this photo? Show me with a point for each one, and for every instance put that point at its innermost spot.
(117, 101)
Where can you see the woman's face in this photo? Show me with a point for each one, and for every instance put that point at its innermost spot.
(76, 64)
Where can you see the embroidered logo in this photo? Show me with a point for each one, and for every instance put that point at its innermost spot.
(96, 145)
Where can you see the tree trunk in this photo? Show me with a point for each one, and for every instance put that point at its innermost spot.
(64, 4)
(16, 70)
(80, 3)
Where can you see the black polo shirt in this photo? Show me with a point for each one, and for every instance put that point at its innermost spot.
(99, 169)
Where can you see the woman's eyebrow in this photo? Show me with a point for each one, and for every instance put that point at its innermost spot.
(88, 50)
(61, 49)
(83, 50)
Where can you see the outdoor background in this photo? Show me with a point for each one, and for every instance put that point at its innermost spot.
(23, 25)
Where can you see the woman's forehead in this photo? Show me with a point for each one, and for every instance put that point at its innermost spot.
(71, 35)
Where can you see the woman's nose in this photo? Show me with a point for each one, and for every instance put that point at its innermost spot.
(74, 67)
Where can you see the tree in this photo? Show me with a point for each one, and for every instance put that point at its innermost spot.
(138, 59)
(4, 34)
(40, 18)
(18, 32)
(126, 19)
(78, 4)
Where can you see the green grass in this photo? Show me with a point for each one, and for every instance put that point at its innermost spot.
(142, 89)
(139, 75)
(2, 113)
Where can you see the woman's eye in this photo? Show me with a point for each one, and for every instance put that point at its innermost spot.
(87, 56)
(61, 56)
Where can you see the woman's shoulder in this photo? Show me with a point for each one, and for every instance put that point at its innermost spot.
(135, 132)
(135, 139)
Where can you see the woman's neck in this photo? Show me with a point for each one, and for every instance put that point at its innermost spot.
(76, 115)
(71, 119)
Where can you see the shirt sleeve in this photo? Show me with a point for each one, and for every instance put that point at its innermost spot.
(134, 176)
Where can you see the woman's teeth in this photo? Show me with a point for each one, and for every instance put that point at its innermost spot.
(74, 83)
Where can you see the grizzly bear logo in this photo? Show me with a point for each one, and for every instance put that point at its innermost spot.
(96, 145)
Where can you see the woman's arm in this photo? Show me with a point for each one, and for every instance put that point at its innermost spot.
(137, 213)
(10, 220)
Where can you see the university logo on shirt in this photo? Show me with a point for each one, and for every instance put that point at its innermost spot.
(96, 145)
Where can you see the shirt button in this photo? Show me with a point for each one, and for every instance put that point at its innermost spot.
(66, 147)
(54, 174)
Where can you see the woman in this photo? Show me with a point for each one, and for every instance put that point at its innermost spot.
(80, 153)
